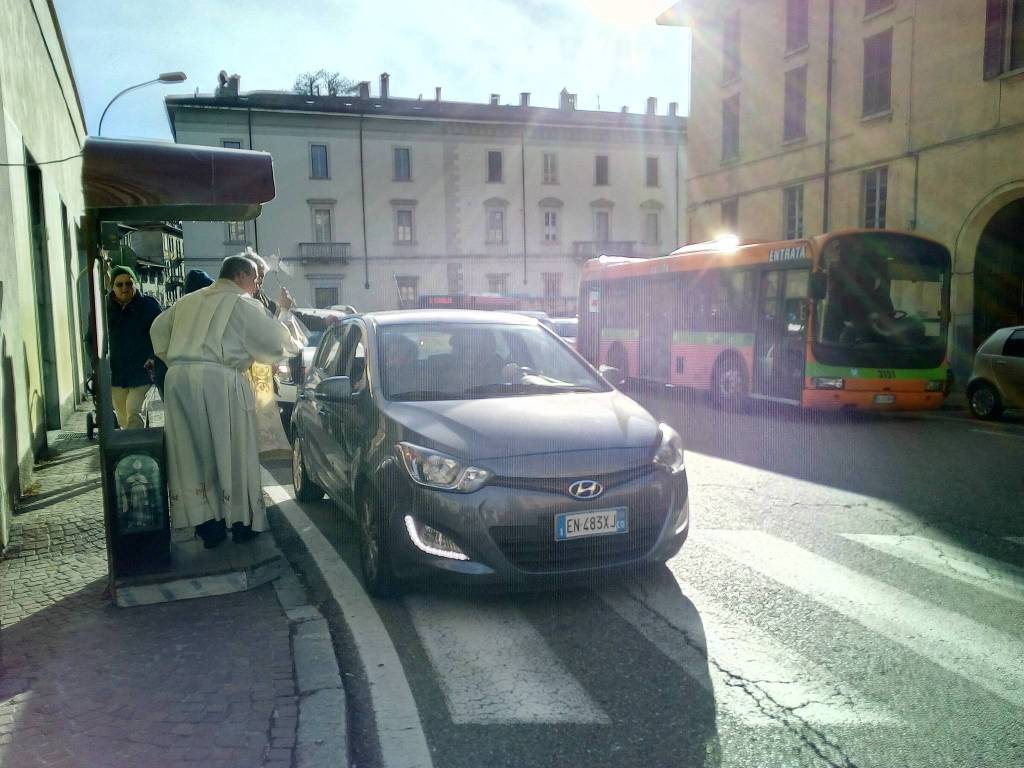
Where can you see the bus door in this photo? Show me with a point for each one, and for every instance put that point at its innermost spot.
(781, 333)
(657, 322)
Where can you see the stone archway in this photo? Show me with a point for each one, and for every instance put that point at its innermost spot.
(999, 272)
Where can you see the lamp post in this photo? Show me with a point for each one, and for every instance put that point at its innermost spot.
(166, 77)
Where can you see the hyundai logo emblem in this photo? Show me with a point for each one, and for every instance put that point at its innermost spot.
(586, 489)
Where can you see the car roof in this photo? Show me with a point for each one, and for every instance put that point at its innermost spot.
(463, 316)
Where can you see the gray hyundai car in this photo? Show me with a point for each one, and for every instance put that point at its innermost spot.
(475, 447)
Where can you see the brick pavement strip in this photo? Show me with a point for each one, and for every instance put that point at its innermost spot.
(83, 683)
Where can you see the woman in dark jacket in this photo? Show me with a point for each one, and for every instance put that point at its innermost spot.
(129, 316)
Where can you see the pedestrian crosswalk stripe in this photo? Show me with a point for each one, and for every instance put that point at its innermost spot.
(494, 667)
(753, 678)
(949, 560)
(990, 658)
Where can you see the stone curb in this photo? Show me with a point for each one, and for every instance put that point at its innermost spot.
(322, 730)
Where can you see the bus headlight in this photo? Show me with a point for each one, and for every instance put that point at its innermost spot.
(826, 382)
(935, 386)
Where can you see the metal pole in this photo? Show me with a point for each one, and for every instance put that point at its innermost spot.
(826, 200)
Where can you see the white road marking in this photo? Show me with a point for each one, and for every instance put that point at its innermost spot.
(494, 667)
(402, 741)
(951, 561)
(998, 434)
(984, 656)
(1014, 539)
(752, 677)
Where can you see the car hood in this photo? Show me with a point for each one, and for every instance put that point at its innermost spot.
(504, 427)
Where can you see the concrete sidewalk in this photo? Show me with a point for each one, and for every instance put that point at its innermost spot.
(246, 679)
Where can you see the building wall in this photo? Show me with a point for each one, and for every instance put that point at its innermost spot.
(40, 114)
(951, 140)
(448, 193)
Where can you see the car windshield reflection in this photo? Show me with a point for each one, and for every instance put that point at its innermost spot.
(461, 361)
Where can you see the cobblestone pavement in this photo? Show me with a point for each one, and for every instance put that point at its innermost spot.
(82, 683)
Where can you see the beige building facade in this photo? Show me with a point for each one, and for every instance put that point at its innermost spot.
(42, 269)
(917, 125)
(384, 200)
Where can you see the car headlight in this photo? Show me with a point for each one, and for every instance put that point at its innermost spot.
(283, 371)
(434, 469)
(670, 449)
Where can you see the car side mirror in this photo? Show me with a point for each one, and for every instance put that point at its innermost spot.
(818, 285)
(334, 389)
(612, 375)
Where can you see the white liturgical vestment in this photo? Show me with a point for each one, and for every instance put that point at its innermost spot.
(208, 340)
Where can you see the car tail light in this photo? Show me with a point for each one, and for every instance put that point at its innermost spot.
(283, 372)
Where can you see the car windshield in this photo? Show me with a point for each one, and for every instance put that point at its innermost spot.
(460, 361)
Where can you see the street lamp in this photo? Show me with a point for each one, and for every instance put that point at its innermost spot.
(166, 77)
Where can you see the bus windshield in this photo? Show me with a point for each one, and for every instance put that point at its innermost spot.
(885, 301)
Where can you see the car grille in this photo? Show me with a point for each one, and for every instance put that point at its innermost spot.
(532, 548)
(561, 484)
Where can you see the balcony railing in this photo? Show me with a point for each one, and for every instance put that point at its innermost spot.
(332, 252)
(591, 249)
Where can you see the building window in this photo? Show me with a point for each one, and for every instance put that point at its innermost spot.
(235, 233)
(601, 170)
(231, 144)
(325, 296)
(731, 127)
(318, 161)
(878, 73)
(795, 122)
(731, 47)
(602, 226)
(875, 187)
(552, 285)
(550, 168)
(793, 212)
(652, 234)
(731, 215)
(796, 24)
(652, 171)
(874, 6)
(1004, 37)
(498, 283)
(454, 279)
(403, 164)
(408, 290)
(403, 225)
(495, 225)
(494, 165)
(550, 226)
(322, 225)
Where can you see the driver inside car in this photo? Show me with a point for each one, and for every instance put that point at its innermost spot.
(475, 360)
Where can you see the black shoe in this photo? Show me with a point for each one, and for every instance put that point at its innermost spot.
(240, 532)
(212, 532)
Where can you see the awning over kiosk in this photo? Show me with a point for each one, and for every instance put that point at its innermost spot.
(131, 181)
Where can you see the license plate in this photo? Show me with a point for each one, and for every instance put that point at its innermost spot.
(597, 522)
(885, 399)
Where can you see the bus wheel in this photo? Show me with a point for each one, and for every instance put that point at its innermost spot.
(730, 385)
(617, 358)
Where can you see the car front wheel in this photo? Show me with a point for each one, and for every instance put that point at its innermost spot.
(984, 402)
(375, 550)
(305, 488)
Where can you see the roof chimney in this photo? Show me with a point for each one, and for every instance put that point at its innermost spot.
(652, 105)
(624, 110)
(673, 108)
(524, 99)
(384, 85)
(437, 93)
(364, 89)
(495, 98)
(566, 100)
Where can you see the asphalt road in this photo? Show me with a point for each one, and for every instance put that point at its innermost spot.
(852, 594)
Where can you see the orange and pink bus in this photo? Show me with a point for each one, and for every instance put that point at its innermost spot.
(849, 319)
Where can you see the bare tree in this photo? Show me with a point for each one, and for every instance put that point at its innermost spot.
(323, 81)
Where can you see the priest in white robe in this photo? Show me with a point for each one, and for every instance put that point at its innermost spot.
(208, 340)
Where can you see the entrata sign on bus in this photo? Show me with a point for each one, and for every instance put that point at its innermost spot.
(788, 254)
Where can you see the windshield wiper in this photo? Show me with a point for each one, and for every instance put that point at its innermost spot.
(424, 394)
